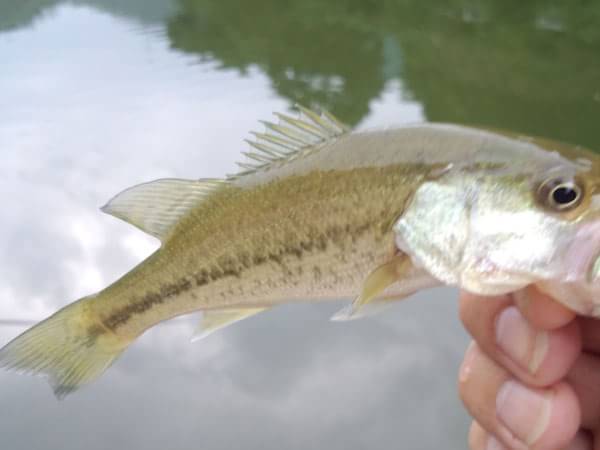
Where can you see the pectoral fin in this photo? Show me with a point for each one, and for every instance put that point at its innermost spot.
(219, 318)
(371, 300)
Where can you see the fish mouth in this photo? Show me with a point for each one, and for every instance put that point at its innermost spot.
(594, 272)
(583, 255)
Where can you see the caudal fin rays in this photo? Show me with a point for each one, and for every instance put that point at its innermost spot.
(66, 348)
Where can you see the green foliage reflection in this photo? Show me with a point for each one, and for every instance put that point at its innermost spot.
(528, 66)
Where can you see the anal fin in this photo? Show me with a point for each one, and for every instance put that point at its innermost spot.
(214, 320)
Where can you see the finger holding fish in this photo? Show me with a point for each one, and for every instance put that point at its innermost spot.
(511, 380)
(479, 439)
(536, 354)
(541, 310)
(578, 369)
(519, 417)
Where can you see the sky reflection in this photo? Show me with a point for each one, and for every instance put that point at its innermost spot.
(93, 103)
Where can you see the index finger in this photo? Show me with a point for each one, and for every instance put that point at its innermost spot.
(538, 357)
(541, 310)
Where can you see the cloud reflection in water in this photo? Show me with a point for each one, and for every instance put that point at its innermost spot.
(99, 107)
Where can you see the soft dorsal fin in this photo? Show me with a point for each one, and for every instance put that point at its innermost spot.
(214, 320)
(287, 139)
(156, 206)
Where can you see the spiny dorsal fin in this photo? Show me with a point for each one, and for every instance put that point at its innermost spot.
(287, 139)
(214, 320)
(156, 206)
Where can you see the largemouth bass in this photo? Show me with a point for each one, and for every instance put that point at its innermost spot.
(320, 212)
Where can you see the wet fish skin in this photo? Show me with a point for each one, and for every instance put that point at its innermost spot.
(312, 218)
(247, 248)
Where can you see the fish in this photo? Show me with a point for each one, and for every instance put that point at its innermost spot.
(321, 212)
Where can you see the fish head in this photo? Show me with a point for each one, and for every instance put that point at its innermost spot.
(495, 226)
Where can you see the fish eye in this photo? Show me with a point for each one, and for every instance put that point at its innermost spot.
(560, 195)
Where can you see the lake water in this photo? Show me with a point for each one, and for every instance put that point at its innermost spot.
(99, 95)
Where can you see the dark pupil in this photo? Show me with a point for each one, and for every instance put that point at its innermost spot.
(564, 195)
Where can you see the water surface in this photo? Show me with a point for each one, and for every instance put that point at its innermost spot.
(96, 96)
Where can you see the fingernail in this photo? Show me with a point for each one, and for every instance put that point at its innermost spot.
(494, 444)
(467, 365)
(522, 343)
(525, 412)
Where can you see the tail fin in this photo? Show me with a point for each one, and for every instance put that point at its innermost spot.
(70, 348)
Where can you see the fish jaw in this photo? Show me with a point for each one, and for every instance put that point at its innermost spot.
(579, 286)
(582, 261)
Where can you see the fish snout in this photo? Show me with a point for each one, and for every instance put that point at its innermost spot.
(582, 262)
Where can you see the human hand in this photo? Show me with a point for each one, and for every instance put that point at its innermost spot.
(531, 377)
